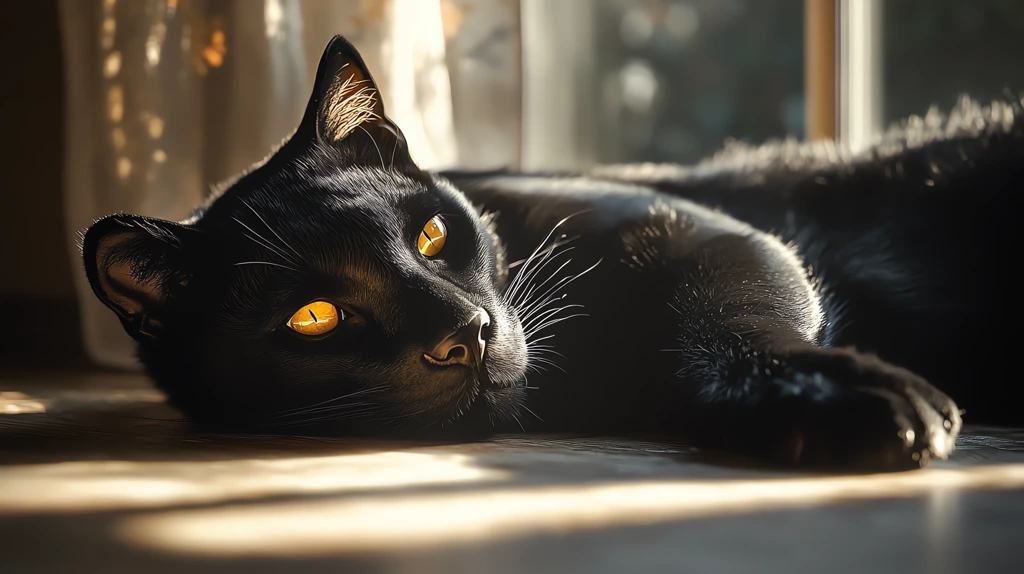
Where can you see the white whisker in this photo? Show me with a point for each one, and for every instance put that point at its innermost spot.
(374, 142)
(266, 263)
(301, 410)
(276, 234)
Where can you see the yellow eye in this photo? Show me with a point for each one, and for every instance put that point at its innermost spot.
(316, 318)
(432, 237)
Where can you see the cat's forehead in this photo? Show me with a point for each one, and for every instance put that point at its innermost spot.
(376, 185)
(352, 189)
(300, 198)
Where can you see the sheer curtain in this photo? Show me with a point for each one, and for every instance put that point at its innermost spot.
(167, 97)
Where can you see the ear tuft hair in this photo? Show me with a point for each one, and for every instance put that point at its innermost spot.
(346, 111)
(351, 101)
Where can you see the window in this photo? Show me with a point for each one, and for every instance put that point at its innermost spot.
(678, 77)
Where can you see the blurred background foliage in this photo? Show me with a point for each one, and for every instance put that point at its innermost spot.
(936, 50)
(678, 77)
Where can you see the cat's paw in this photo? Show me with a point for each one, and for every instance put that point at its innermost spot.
(859, 412)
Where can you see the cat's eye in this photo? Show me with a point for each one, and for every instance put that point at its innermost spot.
(316, 318)
(432, 237)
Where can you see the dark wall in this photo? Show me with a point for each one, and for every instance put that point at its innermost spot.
(34, 260)
(36, 288)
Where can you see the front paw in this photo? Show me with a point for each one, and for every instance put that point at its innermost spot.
(859, 411)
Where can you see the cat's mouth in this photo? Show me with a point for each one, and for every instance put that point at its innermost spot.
(498, 400)
(473, 373)
(479, 397)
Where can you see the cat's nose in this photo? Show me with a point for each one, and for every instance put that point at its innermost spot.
(466, 345)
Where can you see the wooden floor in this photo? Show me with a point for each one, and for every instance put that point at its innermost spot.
(97, 475)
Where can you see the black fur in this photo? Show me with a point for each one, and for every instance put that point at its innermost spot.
(787, 301)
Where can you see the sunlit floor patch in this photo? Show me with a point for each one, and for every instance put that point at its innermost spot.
(79, 400)
(113, 485)
(17, 403)
(402, 520)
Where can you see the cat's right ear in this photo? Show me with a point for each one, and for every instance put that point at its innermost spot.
(346, 110)
(137, 266)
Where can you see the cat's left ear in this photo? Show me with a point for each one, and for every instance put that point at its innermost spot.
(347, 110)
(138, 266)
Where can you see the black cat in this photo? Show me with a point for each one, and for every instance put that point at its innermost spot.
(337, 287)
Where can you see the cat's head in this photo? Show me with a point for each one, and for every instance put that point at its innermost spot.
(335, 283)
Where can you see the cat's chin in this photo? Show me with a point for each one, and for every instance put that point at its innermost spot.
(492, 407)
(477, 421)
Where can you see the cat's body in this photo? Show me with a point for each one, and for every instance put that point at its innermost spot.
(909, 245)
(610, 303)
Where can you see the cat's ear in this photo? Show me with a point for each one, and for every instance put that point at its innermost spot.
(136, 266)
(347, 110)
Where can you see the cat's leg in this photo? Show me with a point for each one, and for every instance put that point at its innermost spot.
(753, 375)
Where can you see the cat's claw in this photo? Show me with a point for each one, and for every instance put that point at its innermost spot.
(880, 417)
